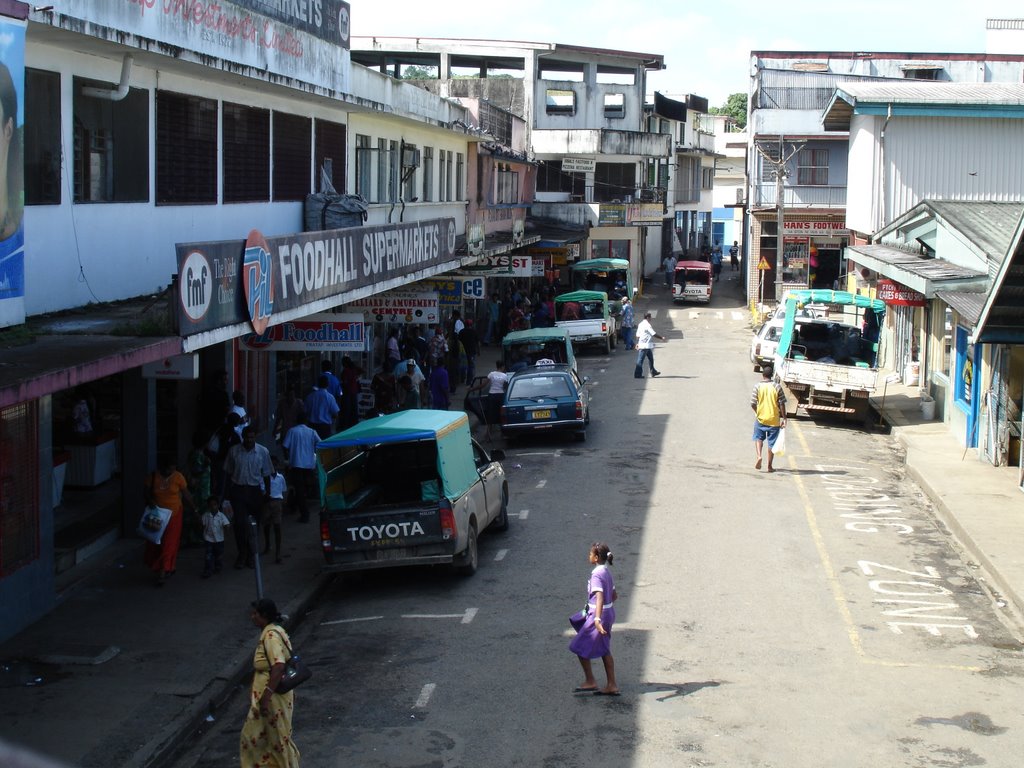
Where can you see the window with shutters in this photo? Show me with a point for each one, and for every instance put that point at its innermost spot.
(19, 487)
(293, 138)
(111, 145)
(329, 157)
(186, 148)
(812, 167)
(42, 137)
(246, 154)
(614, 181)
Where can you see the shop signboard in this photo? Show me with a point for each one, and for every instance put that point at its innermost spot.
(579, 164)
(645, 214)
(502, 266)
(451, 291)
(898, 295)
(611, 215)
(821, 228)
(174, 368)
(298, 269)
(400, 307)
(316, 333)
(296, 39)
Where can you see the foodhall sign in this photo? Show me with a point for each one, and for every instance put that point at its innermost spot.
(232, 281)
(898, 295)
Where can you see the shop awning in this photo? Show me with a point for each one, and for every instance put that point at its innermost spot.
(496, 244)
(1002, 318)
(554, 234)
(78, 347)
(967, 304)
(917, 272)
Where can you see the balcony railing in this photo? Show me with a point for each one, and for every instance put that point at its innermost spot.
(795, 196)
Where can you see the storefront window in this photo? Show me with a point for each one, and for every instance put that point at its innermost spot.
(609, 249)
(947, 342)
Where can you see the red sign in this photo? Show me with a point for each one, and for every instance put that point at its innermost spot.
(893, 293)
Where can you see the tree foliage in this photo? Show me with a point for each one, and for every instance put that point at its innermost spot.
(735, 107)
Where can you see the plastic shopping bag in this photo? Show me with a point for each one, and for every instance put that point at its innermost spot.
(153, 523)
(779, 449)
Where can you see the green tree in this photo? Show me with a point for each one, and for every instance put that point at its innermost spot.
(735, 107)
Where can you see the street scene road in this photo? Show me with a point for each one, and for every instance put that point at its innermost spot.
(820, 615)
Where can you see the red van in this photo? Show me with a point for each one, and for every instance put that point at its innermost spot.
(692, 282)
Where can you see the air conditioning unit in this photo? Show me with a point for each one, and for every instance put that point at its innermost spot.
(410, 157)
(648, 196)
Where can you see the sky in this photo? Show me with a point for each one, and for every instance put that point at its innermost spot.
(706, 46)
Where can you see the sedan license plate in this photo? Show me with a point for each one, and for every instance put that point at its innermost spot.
(540, 415)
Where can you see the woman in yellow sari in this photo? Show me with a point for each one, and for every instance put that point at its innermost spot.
(267, 733)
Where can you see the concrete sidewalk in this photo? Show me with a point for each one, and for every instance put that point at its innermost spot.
(982, 505)
(121, 671)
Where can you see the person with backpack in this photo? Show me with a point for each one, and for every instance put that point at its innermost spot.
(768, 401)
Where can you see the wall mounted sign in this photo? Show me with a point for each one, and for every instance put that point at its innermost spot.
(898, 295)
(301, 268)
(815, 228)
(420, 307)
(316, 333)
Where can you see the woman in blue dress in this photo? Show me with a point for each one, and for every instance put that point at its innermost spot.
(594, 627)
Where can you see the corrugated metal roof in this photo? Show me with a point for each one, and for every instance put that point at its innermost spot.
(916, 264)
(926, 92)
(990, 226)
(968, 305)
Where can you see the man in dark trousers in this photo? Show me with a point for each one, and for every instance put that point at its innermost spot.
(247, 470)
(470, 342)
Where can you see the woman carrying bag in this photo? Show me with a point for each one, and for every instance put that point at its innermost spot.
(166, 488)
(267, 734)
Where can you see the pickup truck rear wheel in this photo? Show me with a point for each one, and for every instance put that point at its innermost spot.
(614, 340)
(469, 560)
(607, 345)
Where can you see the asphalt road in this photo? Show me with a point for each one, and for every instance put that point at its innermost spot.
(817, 616)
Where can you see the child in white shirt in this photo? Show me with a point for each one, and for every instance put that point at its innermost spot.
(214, 522)
(272, 511)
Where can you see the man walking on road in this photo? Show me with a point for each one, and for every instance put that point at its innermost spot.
(248, 470)
(627, 323)
(768, 402)
(645, 336)
(734, 255)
(300, 449)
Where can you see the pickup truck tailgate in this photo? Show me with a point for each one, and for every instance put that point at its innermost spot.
(385, 534)
(829, 376)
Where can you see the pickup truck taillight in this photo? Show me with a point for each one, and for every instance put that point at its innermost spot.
(448, 530)
(325, 535)
(757, 349)
(604, 327)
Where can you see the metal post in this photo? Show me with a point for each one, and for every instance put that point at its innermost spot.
(254, 547)
(780, 217)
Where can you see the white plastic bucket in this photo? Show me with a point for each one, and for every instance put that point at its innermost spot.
(927, 407)
(912, 374)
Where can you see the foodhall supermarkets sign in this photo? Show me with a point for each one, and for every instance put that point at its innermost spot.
(820, 228)
(219, 285)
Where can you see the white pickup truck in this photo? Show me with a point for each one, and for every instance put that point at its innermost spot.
(829, 366)
(586, 315)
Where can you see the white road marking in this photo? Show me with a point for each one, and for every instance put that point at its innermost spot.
(424, 697)
(694, 315)
(719, 315)
(541, 453)
(434, 615)
(349, 621)
(500, 555)
(738, 315)
(541, 483)
(469, 615)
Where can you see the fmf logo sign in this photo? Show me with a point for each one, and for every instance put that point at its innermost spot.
(196, 288)
(256, 281)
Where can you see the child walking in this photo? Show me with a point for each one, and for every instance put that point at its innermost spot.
(272, 511)
(594, 626)
(214, 522)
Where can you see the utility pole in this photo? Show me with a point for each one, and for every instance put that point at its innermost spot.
(778, 162)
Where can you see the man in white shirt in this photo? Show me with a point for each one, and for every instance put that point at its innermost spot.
(645, 336)
(300, 449)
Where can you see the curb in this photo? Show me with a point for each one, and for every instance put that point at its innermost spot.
(1014, 600)
(175, 737)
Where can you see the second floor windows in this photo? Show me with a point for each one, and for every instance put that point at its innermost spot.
(507, 185)
(812, 168)
(111, 153)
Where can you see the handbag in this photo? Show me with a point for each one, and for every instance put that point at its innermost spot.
(295, 670)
